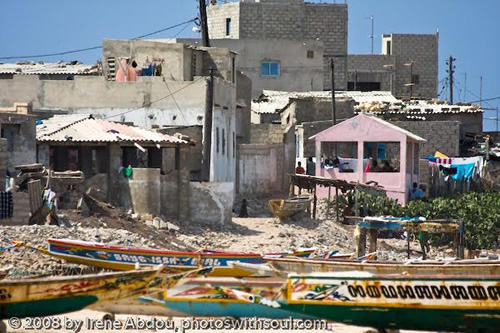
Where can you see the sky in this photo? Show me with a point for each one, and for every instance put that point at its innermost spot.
(468, 30)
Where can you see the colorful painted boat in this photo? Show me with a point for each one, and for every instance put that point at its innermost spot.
(426, 267)
(223, 297)
(288, 207)
(52, 296)
(120, 258)
(436, 303)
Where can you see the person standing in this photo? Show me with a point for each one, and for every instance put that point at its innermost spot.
(310, 167)
(299, 169)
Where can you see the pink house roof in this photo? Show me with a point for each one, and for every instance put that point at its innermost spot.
(366, 127)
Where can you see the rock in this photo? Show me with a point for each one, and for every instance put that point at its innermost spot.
(135, 216)
(172, 227)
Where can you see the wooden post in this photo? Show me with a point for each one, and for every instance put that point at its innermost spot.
(328, 202)
(315, 201)
(372, 245)
(408, 243)
(337, 202)
(361, 243)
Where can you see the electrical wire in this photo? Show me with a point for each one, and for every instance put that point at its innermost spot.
(155, 101)
(95, 47)
(175, 101)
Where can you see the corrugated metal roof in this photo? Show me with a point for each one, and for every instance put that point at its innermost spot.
(32, 68)
(82, 128)
(372, 102)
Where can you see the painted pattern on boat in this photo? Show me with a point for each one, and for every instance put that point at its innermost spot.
(119, 258)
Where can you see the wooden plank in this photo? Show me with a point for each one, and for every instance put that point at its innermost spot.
(35, 193)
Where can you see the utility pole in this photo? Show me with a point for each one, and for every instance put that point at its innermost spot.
(451, 71)
(371, 36)
(481, 90)
(465, 87)
(334, 113)
(207, 129)
(204, 25)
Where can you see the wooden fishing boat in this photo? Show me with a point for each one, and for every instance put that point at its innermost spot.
(429, 267)
(424, 302)
(120, 258)
(52, 296)
(5, 271)
(223, 297)
(288, 207)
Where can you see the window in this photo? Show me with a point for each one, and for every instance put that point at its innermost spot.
(234, 145)
(388, 46)
(382, 156)
(217, 139)
(270, 68)
(310, 54)
(341, 155)
(223, 141)
(233, 70)
(415, 79)
(228, 27)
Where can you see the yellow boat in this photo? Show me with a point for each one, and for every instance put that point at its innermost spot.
(288, 207)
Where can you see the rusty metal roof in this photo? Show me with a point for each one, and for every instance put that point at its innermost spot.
(32, 68)
(84, 128)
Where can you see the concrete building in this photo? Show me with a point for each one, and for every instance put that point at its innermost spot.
(286, 20)
(174, 92)
(274, 64)
(445, 127)
(408, 67)
(18, 127)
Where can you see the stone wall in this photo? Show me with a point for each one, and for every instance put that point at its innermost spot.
(290, 20)
(315, 109)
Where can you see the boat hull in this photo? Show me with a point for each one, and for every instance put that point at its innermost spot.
(52, 296)
(404, 318)
(118, 258)
(397, 301)
(306, 266)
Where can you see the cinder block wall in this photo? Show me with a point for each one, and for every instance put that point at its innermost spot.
(290, 20)
(266, 133)
(22, 213)
(443, 136)
(3, 161)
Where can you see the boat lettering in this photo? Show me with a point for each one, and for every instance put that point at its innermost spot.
(117, 256)
(194, 261)
(210, 262)
(479, 293)
(4, 294)
(494, 292)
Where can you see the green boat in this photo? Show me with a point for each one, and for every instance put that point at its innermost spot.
(439, 302)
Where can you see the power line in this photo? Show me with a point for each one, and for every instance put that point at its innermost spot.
(156, 101)
(485, 99)
(94, 47)
(175, 101)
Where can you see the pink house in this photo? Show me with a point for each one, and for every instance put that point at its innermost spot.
(367, 149)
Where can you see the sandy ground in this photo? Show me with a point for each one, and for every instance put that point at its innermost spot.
(90, 321)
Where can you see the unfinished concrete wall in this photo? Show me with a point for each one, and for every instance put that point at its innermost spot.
(316, 109)
(443, 136)
(145, 191)
(261, 168)
(370, 68)
(287, 20)
(301, 63)
(211, 203)
(120, 101)
(20, 132)
(266, 133)
(176, 59)
(243, 107)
